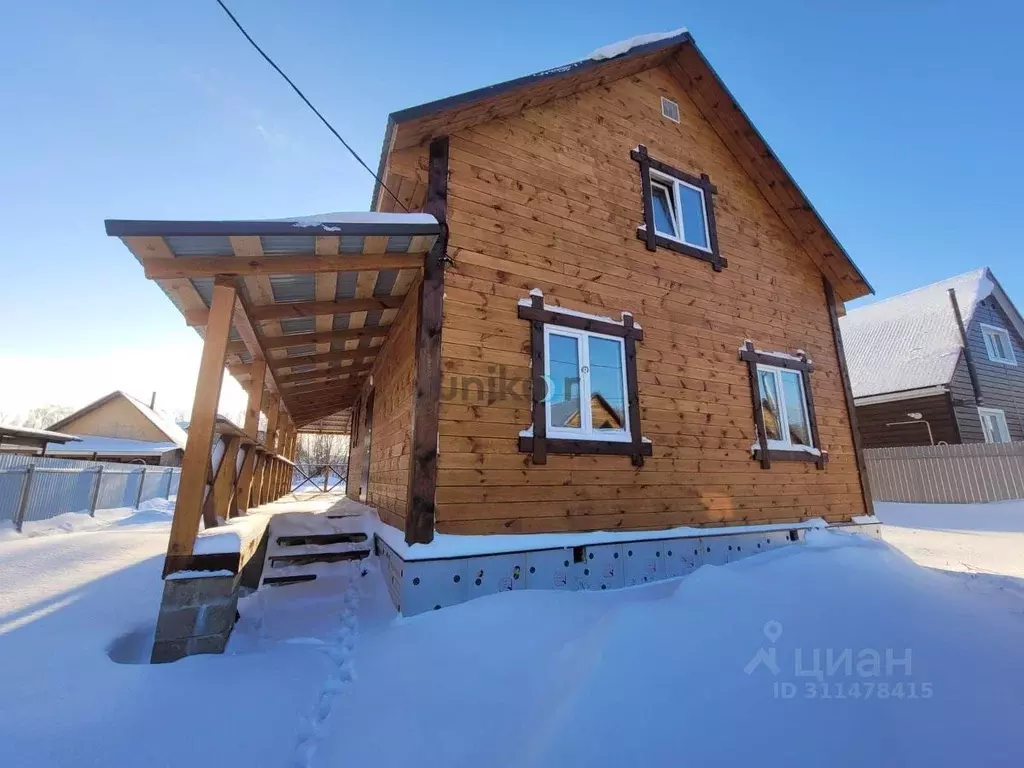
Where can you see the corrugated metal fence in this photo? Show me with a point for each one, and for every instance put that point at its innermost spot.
(947, 473)
(34, 488)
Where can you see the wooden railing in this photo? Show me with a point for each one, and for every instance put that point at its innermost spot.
(947, 473)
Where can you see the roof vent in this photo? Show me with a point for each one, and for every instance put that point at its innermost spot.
(669, 109)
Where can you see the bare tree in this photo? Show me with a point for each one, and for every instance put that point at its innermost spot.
(43, 416)
(317, 453)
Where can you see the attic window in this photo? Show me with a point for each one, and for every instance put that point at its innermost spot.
(669, 109)
(679, 213)
(998, 344)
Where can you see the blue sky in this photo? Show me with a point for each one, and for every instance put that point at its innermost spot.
(901, 125)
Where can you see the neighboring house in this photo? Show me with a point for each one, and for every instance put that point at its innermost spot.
(121, 428)
(30, 442)
(923, 375)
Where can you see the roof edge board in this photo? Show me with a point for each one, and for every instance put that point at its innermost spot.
(156, 228)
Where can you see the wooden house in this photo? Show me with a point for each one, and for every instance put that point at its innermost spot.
(122, 429)
(618, 224)
(939, 364)
(588, 304)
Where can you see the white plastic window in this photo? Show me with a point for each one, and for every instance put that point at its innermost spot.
(586, 378)
(680, 211)
(998, 345)
(784, 407)
(993, 423)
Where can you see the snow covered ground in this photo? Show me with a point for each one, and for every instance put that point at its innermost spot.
(712, 669)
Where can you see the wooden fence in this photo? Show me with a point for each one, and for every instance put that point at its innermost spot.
(947, 473)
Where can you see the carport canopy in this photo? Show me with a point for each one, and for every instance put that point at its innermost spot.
(295, 309)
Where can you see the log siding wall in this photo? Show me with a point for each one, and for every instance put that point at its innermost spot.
(1002, 386)
(937, 410)
(391, 443)
(551, 199)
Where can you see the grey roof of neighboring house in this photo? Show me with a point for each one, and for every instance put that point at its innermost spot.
(912, 341)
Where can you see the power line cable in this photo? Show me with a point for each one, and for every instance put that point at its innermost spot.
(309, 104)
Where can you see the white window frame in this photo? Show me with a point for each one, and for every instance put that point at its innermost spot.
(673, 185)
(786, 444)
(994, 330)
(665, 114)
(585, 432)
(1005, 428)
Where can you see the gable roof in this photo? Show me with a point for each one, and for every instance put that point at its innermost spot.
(912, 341)
(165, 424)
(678, 52)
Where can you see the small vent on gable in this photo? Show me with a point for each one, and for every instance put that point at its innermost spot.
(669, 109)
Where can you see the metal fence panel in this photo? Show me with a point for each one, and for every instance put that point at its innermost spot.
(67, 485)
(948, 474)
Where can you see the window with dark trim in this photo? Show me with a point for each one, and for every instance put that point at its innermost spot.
(679, 211)
(784, 417)
(585, 398)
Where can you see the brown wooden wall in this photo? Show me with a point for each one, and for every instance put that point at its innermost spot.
(551, 200)
(937, 410)
(391, 444)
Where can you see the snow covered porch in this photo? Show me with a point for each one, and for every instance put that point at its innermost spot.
(297, 310)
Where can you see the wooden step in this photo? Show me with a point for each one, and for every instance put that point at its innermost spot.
(279, 561)
(321, 539)
(283, 581)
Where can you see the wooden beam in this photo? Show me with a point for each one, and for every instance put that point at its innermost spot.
(219, 498)
(290, 380)
(293, 264)
(273, 413)
(326, 357)
(323, 337)
(243, 485)
(306, 309)
(196, 462)
(244, 324)
(851, 407)
(419, 524)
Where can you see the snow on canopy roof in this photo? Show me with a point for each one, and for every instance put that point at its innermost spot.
(625, 46)
(910, 341)
(9, 430)
(112, 446)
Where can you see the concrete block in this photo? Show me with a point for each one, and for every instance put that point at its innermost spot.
(183, 592)
(176, 623)
(207, 644)
(168, 650)
(217, 618)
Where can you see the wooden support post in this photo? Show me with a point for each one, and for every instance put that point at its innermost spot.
(234, 506)
(219, 498)
(419, 524)
(268, 463)
(195, 465)
(243, 488)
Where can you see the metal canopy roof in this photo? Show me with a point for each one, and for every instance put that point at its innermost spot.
(316, 295)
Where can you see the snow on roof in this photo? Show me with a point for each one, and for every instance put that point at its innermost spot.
(165, 424)
(111, 446)
(625, 46)
(360, 217)
(29, 432)
(912, 340)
